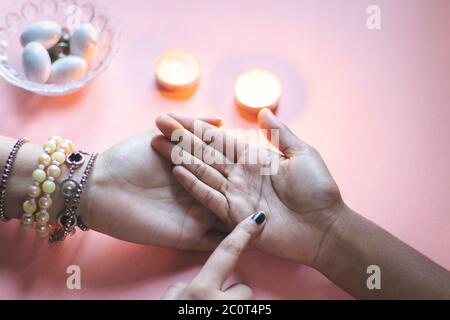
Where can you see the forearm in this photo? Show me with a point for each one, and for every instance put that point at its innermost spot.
(353, 243)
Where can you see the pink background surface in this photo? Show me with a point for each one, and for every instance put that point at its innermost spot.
(374, 103)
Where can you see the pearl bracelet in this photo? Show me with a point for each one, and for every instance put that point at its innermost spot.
(55, 151)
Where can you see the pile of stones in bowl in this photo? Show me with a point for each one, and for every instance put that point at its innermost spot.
(53, 55)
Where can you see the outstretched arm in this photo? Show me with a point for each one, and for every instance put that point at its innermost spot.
(130, 195)
(354, 243)
(308, 220)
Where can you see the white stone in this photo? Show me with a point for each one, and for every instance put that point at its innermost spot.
(68, 69)
(83, 42)
(36, 62)
(45, 32)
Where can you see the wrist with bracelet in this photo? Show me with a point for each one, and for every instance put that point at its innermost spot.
(5, 176)
(46, 188)
(72, 190)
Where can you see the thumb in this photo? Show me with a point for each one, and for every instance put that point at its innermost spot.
(288, 143)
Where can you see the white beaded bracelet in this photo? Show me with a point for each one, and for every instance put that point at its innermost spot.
(55, 151)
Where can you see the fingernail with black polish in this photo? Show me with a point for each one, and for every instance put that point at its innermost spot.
(259, 217)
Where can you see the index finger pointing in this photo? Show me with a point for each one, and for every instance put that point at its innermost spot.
(223, 260)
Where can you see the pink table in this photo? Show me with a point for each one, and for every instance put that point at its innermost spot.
(375, 103)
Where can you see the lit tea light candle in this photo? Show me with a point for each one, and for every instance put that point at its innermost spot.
(257, 89)
(177, 70)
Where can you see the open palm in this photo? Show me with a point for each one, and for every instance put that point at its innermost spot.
(133, 197)
(299, 198)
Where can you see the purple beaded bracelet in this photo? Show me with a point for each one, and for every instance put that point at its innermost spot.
(69, 218)
(6, 172)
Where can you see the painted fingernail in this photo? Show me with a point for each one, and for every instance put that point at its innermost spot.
(259, 217)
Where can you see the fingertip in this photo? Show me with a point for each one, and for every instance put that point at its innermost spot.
(216, 122)
(159, 142)
(267, 120)
(264, 115)
(177, 116)
(178, 175)
(254, 223)
(174, 114)
(265, 112)
(181, 174)
(259, 218)
(177, 171)
(239, 291)
(247, 292)
(163, 122)
(161, 118)
(154, 141)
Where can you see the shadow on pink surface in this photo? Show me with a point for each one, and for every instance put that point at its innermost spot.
(112, 269)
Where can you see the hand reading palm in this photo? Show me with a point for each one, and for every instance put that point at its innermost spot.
(133, 197)
(299, 199)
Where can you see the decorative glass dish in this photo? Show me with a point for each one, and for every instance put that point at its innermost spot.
(69, 14)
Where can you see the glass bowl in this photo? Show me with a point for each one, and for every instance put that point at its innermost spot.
(68, 13)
